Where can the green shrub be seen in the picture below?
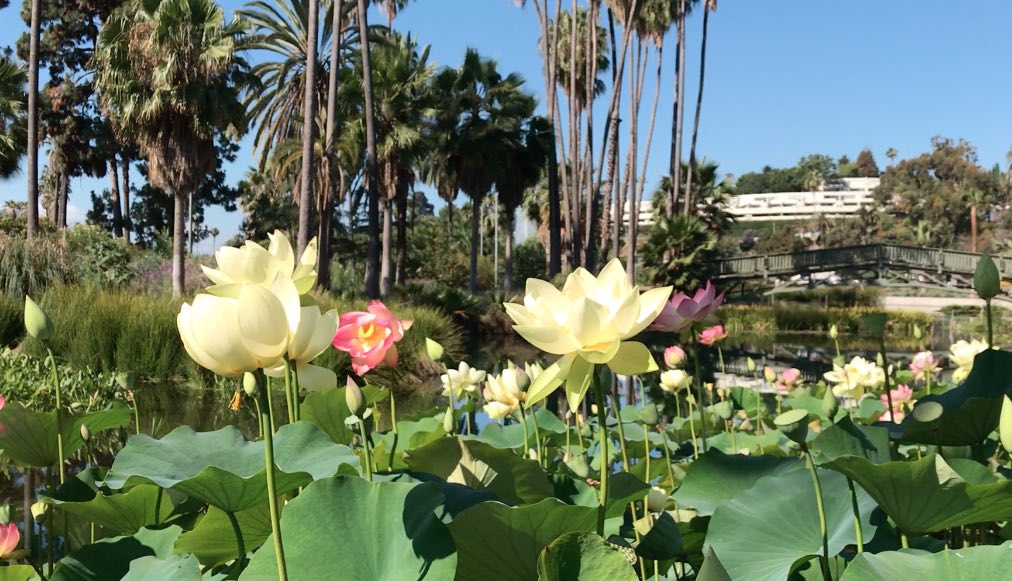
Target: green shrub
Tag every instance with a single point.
(30, 268)
(764, 319)
(12, 320)
(528, 262)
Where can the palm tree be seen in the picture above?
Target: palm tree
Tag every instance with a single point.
(12, 117)
(329, 195)
(33, 123)
(169, 78)
(308, 128)
(710, 6)
(372, 271)
(891, 154)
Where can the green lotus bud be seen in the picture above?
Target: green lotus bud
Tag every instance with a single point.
(917, 332)
(1005, 424)
(874, 325)
(830, 405)
(249, 384)
(85, 433)
(794, 425)
(433, 349)
(879, 359)
(126, 379)
(750, 365)
(39, 510)
(769, 374)
(986, 280)
(833, 333)
(724, 410)
(448, 421)
(37, 322)
(647, 415)
(353, 397)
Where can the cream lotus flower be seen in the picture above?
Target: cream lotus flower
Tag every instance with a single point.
(675, 379)
(853, 378)
(962, 354)
(463, 380)
(312, 337)
(253, 264)
(232, 335)
(587, 323)
(504, 392)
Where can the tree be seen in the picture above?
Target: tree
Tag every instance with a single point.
(372, 271)
(866, 166)
(33, 122)
(891, 154)
(12, 117)
(308, 130)
(710, 6)
(169, 77)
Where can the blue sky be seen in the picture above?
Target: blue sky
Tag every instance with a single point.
(785, 78)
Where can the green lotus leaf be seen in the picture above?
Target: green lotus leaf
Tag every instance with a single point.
(386, 530)
(717, 477)
(970, 411)
(659, 537)
(928, 495)
(624, 488)
(847, 438)
(773, 441)
(762, 533)
(224, 469)
(327, 410)
(121, 513)
(502, 542)
(971, 564)
(212, 540)
(712, 569)
(110, 558)
(390, 446)
(584, 556)
(516, 480)
(18, 573)
(175, 567)
(29, 437)
(512, 435)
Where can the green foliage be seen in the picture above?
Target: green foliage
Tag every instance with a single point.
(763, 319)
(678, 252)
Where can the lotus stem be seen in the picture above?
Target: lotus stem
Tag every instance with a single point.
(241, 553)
(602, 433)
(621, 434)
(990, 325)
(857, 516)
(365, 447)
(272, 497)
(289, 400)
(667, 456)
(523, 424)
(823, 527)
(701, 404)
(537, 440)
(885, 375)
(720, 358)
(692, 429)
(393, 411)
(734, 437)
(59, 413)
(905, 542)
(295, 393)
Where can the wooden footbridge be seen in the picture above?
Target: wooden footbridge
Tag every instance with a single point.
(879, 263)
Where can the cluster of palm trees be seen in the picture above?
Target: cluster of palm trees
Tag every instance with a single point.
(349, 115)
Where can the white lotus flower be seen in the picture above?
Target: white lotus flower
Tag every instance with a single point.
(463, 380)
(853, 378)
(312, 337)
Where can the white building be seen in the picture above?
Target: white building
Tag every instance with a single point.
(838, 199)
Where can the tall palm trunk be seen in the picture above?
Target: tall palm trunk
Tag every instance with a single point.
(372, 271)
(402, 237)
(699, 106)
(653, 111)
(472, 285)
(308, 130)
(572, 107)
(386, 265)
(633, 202)
(32, 226)
(332, 194)
(680, 113)
(675, 165)
(117, 212)
(125, 195)
(507, 279)
(590, 201)
(178, 243)
(548, 61)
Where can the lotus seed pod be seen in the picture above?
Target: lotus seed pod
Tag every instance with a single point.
(249, 384)
(657, 499)
(37, 322)
(794, 425)
(986, 280)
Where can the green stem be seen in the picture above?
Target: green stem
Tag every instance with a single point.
(365, 447)
(823, 528)
(990, 328)
(927, 376)
(646, 450)
(602, 432)
(288, 392)
(269, 408)
(621, 434)
(241, 553)
(537, 440)
(158, 505)
(904, 542)
(885, 374)
(523, 424)
(295, 393)
(59, 413)
(857, 516)
(272, 496)
(720, 358)
(701, 404)
(734, 438)
(393, 411)
(137, 416)
(692, 429)
(667, 456)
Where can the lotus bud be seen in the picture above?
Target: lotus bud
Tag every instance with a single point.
(593, 409)
(433, 350)
(39, 510)
(249, 384)
(833, 333)
(1005, 424)
(657, 499)
(794, 425)
(724, 410)
(750, 365)
(769, 374)
(353, 397)
(523, 380)
(85, 433)
(126, 379)
(532, 454)
(647, 415)
(567, 456)
(879, 359)
(448, 422)
(37, 322)
(830, 404)
(986, 280)
(917, 332)
(675, 379)
(674, 356)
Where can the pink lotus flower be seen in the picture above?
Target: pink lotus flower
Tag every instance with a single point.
(682, 311)
(900, 395)
(711, 335)
(788, 379)
(674, 356)
(892, 417)
(370, 337)
(10, 536)
(924, 363)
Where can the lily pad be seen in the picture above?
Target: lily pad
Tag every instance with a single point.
(327, 410)
(121, 513)
(928, 495)
(225, 470)
(512, 435)
(712, 569)
(30, 437)
(847, 438)
(175, 567)
(584, 556)
(516, 480)
(762, 533)
(212, 540)
(111, 558)
(18, 573)
(493, 537)
(414, 433)
(387, 531)
(971, 564)
(717, 477)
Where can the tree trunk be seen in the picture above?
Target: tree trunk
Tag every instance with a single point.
(178, 244)
(680, 112)
(573, 108)
(372, 283)
(327, 211)
(548, 60)
(507, 279)
(402, 238)
(472, 285)
(32, 226)
(125, 196)
(675, 164)
(386, 268)
(699, 105)
(308, 130)
(973, 228)
(117, 212)
(653, 113)
(590, 202)
(633, 203)
(62, 194)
